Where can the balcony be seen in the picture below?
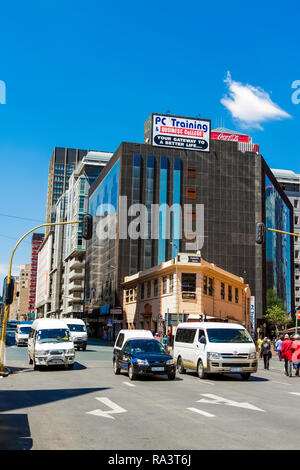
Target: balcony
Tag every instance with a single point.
(76, 286)
(76, 263)
(76, 274)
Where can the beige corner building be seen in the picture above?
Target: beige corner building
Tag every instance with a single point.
(187, 286)
(24, 288)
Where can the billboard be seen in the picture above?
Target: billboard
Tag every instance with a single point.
(180, 132)
(230, 137)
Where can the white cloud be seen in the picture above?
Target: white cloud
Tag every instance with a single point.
(249, 105)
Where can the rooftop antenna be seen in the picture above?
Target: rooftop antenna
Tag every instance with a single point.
(168, 112)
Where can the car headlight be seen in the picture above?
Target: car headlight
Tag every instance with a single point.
(213, 355)
(170, 362)
(41, 353)
(69, 352)
(142, 362)
(252, 355)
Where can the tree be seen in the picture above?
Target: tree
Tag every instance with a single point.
(277, 316)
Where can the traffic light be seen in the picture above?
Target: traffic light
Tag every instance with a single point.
(87, 226)
(260, 233)
(8, 291)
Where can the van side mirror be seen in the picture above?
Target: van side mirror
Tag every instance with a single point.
(202, 340)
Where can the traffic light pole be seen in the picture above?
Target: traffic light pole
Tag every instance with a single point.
(8, 282)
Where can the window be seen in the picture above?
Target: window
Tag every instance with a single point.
(164, 285)
(205, 285)
(191, 193)
(171, 283)
(155, 287)
(188, 282)
(191, 172)
(236, 295)
(222, 290)
(149, 289)
(230, 293)
(142, 291)
(210, 286)
(185, 335)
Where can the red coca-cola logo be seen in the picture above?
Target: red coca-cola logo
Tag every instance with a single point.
(230, 137)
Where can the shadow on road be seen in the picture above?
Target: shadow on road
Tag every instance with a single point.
(19, 399)
(15, 432)
(230, 378)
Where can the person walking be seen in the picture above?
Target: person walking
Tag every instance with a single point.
(278, 347)
(296, 353)
(286, 354)
(259, 343)
(266, 352)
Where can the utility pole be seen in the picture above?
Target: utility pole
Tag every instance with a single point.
(177, 283)
(87, 226)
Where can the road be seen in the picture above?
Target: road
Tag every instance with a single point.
(91, 408)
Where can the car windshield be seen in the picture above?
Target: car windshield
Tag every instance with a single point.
(77, 328)
(151, 346)
(24, 330)
(228, 335)
(56, 335)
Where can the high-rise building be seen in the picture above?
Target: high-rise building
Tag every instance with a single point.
(236, 189)
(63, 162)
(24, 286)
(290, 183)
(36, 241)
(62, 260)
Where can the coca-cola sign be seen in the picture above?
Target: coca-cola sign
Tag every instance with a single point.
(230, 137)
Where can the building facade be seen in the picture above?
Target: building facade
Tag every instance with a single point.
(229, 184)
(44, 284)
(24, 288)
(290, 183)
(36, 241)
(189, 285)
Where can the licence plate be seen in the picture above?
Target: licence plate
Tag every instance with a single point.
(157, 369)
(56, 361)
(236, 369)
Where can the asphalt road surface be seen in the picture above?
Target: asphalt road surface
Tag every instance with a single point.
(91, 408)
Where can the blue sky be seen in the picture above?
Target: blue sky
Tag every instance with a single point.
(88, 74)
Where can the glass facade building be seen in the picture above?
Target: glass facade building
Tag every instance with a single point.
(228, 182)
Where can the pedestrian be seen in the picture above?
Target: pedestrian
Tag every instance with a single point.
(286, 354)
(266, 352)
(169, 337)
(278, 347)
(259, 343)
(296, 353)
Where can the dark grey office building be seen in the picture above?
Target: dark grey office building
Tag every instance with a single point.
(237, 189)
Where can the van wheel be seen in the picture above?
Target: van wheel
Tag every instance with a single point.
(35, 366)
(246, 375)
(29, 360)
(70, 366)
(180, 367)
(200, 370)
(116, 368)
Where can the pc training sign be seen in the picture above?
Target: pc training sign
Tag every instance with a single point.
(180, 133)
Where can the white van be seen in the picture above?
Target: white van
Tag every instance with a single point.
(78, 332)
(22, 333)
(50, 343)
(124, 335)
(214, 348)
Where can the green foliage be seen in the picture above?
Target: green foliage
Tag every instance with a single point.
(273, 299)
(277, 316)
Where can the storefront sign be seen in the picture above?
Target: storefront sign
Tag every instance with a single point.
(230, 137)
(180, 132)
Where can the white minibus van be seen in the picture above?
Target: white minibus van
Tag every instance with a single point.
(78, 332)
(50, 343)
(214, 348)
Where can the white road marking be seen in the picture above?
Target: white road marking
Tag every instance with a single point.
(200, 412)
(294, 393)
(107, 414)
(129, 385)
(282, 383)
(216, 400)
